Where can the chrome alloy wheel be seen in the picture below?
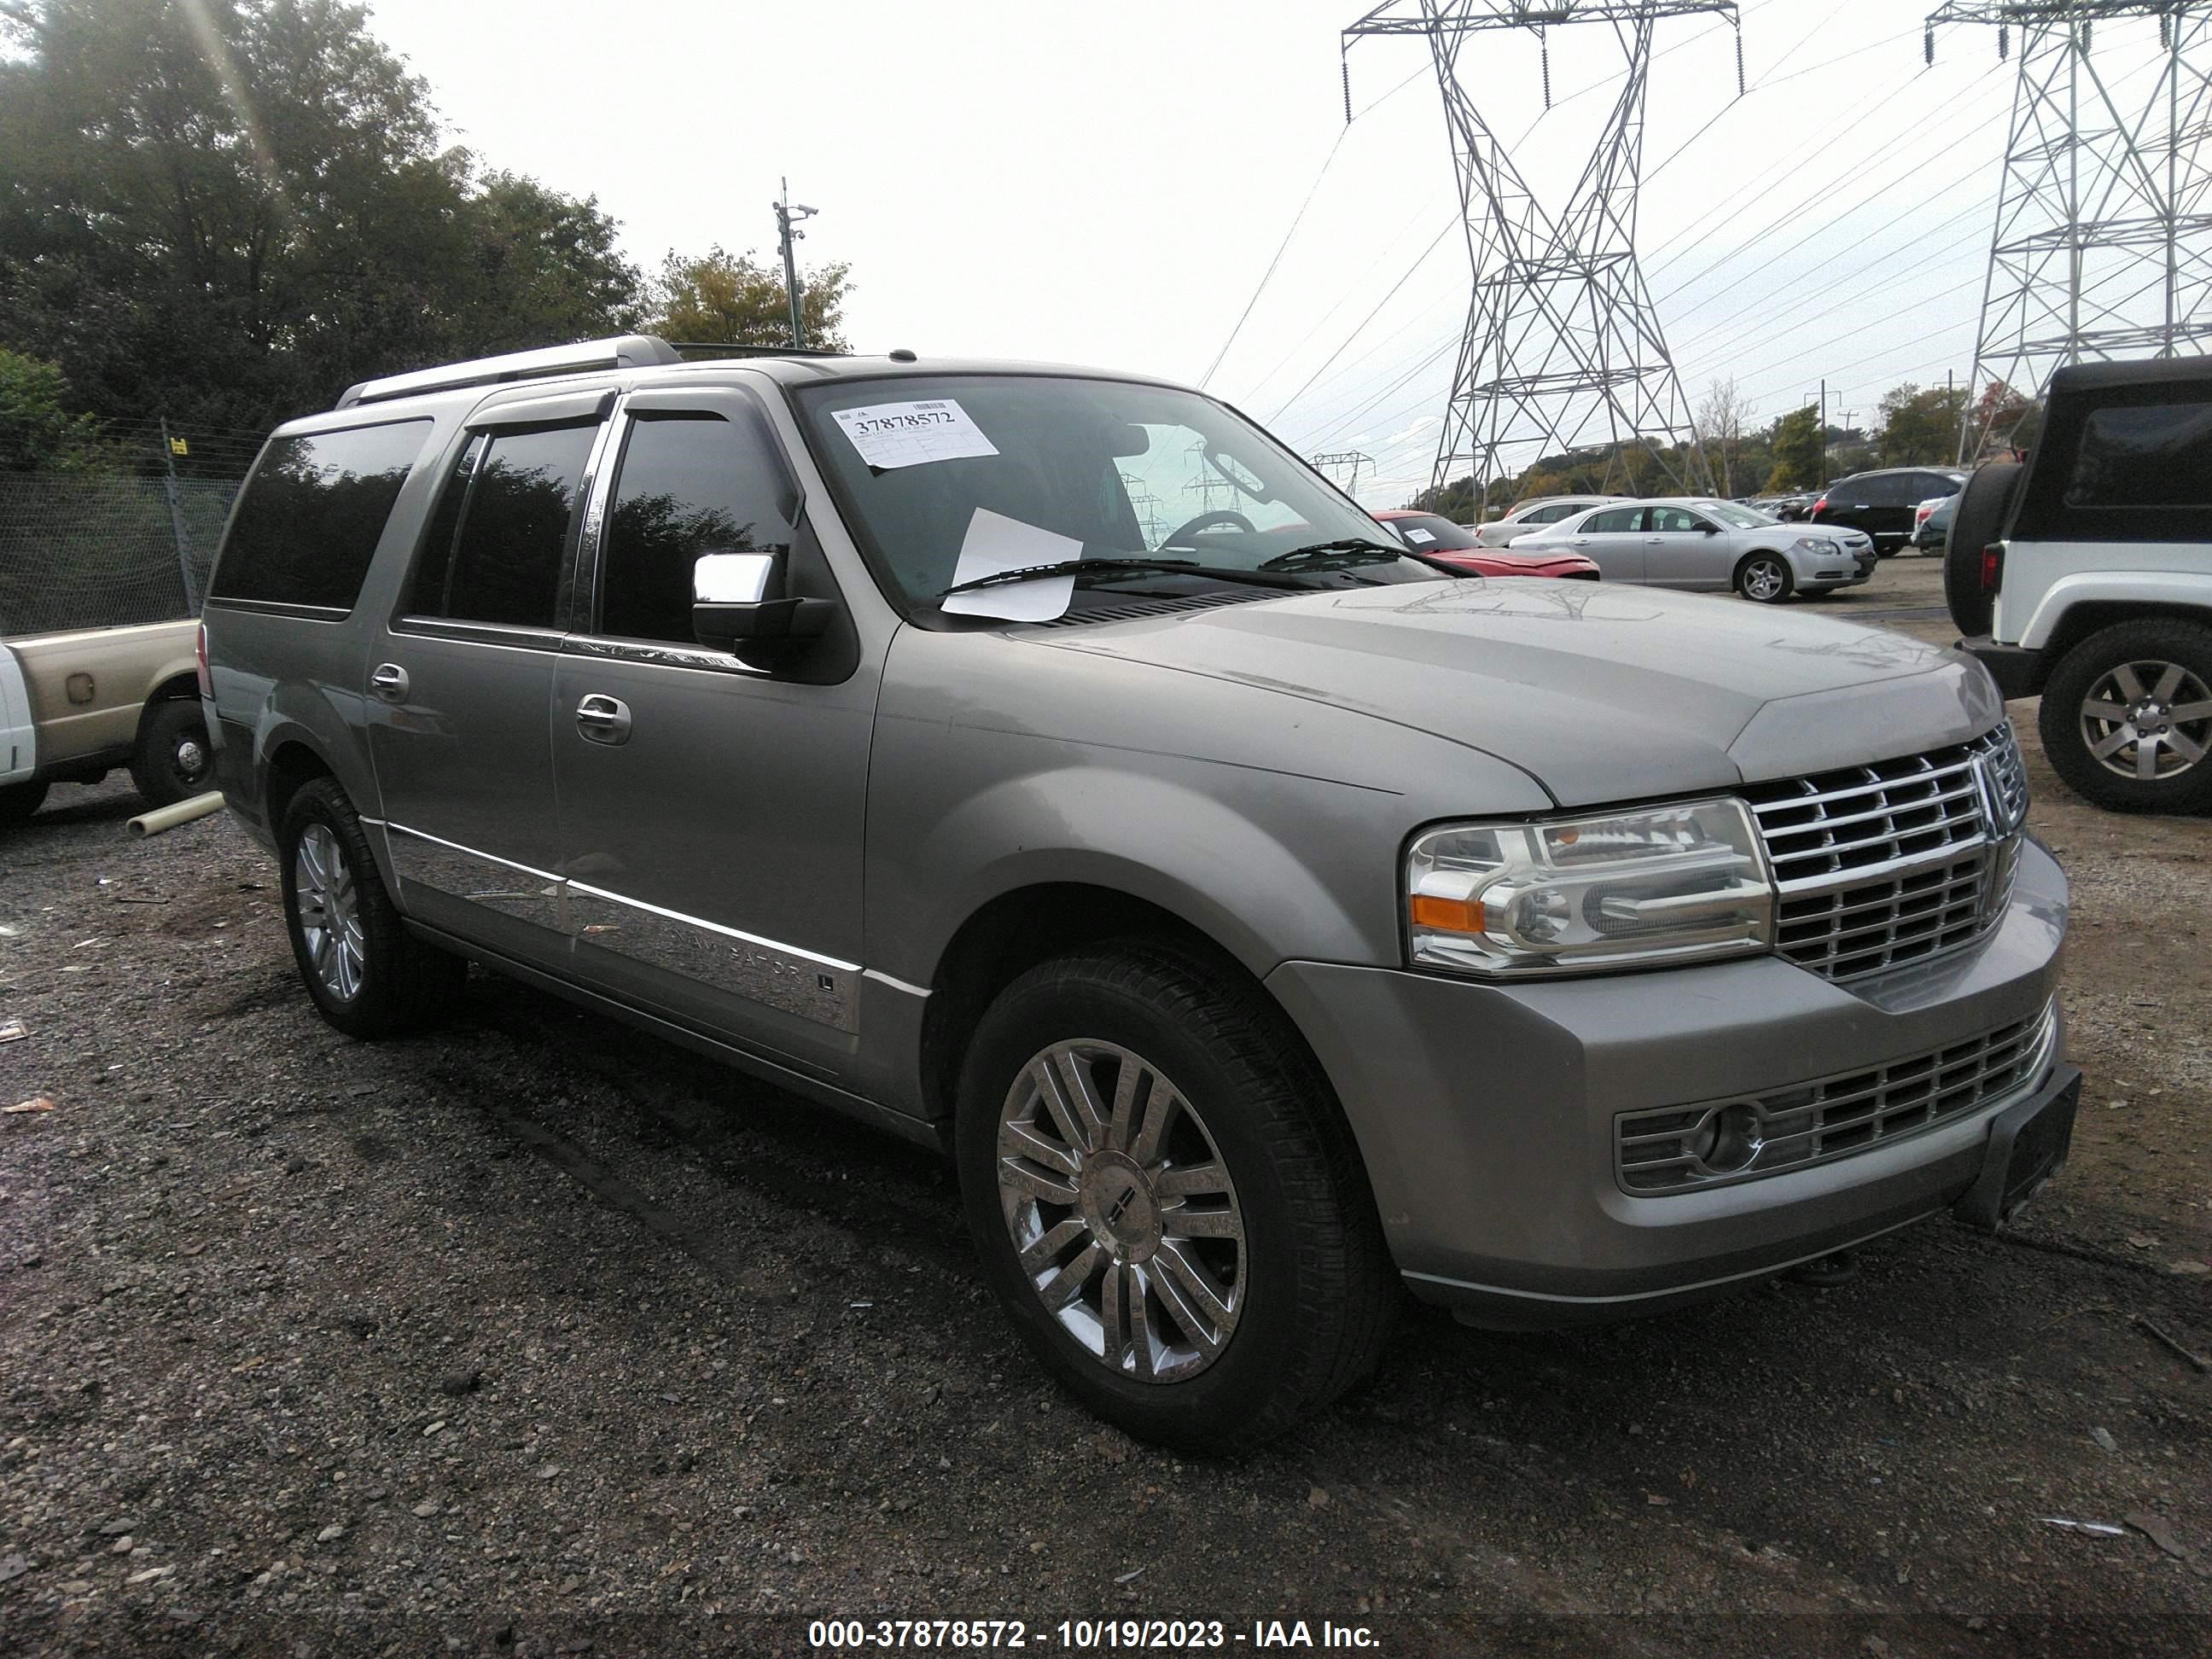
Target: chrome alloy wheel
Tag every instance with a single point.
(1120, 1210)
(2147, 721)
(189, 761)
(1763, 580)
(329, 908)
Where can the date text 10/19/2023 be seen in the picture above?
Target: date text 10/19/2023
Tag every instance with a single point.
(1086, 1635)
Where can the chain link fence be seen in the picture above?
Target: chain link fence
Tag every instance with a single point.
(87, 551)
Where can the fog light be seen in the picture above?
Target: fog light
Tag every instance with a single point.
(1729, 1139)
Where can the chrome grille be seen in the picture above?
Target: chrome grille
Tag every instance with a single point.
(1667, 1150)
(1896, 860)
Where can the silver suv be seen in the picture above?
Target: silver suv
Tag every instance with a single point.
(1050, 766)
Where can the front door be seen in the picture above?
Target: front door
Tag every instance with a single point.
(1613, 538)
(1682, 548)
(460, 686)
(711, 811)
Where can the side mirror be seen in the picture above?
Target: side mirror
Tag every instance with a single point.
(738, 605)
(1713, 530)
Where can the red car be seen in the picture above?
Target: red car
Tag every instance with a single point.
(1435, 537)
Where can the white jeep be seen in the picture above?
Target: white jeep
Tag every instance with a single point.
(2084, 576)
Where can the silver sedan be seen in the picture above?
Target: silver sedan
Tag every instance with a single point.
(1695, 542)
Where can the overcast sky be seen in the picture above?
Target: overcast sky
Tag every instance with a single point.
(1108, 184)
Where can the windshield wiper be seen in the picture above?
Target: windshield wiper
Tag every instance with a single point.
(1333, 555)
(1081, 568)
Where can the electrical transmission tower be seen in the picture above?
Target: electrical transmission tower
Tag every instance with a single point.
(2103, 244)
(1350, 459)
(1563, 349)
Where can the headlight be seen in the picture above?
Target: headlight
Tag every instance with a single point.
(1682, 883)
(1815, 544)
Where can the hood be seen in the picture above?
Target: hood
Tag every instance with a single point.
(1602, 692)
(1511, 561)
(1834, 532)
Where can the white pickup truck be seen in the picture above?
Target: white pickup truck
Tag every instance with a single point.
(2084, 576)
(75, 704)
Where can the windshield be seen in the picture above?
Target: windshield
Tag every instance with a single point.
(925, 467)
(1733, 512)
(1429, 532)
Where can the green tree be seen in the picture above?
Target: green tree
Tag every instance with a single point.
(1796, 441)
(733, 298)
(227, 209)
(37, 435)
(1920, 429)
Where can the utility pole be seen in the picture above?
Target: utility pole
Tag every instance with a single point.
(2103, 229)
(1824, 435)
(171, 448)
(788, 214)
(1563, 350)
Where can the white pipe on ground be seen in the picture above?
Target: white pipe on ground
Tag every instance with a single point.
(168, 817)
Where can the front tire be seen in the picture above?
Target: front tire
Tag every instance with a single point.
(173, 760)
(366, 973)
(2127, 717)
(1167, 1201)
(1765, 578)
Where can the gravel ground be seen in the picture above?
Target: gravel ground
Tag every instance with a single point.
(537, 1334)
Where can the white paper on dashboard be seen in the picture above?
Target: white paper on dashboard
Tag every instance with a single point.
(996, 543)
(1412, 535)
(892, 436)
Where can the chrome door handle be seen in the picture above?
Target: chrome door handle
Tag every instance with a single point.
(603, 719)
(389, 681)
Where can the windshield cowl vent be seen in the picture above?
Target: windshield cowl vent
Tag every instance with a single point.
(1135, 609)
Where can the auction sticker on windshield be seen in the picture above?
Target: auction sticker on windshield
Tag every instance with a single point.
(892, 436)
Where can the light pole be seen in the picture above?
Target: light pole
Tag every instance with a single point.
(788, 216)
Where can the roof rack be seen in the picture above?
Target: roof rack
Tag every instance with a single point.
(621, 351)
(733, 348)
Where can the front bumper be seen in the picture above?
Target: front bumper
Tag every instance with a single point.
(1485, 1114)
(1826, 571)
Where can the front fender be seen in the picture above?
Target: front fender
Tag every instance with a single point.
(1199, 840)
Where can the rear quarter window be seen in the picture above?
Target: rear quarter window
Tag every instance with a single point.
(309, 519)
(2152, 455)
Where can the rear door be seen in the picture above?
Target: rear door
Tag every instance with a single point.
(1611, 538)
(711, 811)
(460, 685)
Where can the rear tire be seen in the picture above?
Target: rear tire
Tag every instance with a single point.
(173, 760)
(1765, 578)
(366, 974)
(2141, 692)
(1259, 1187)
(1986, 504)
(20, 802)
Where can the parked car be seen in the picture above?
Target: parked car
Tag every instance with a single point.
(2085, 577)
(1535, 514)
(1439, 540)
(1259, 929)
(1880, 502)
(75, 705)
(1695, 542)
(1931, 522)
(1787, 508)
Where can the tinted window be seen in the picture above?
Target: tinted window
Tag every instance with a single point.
(689, 485)
(313, 512)
(508, 505)
(2157, 455)
(1612, 519)
(1927, 485)
(1874, 489)
(1676, 518)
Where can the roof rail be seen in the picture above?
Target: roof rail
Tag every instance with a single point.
(733, 349)
(621, 351)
